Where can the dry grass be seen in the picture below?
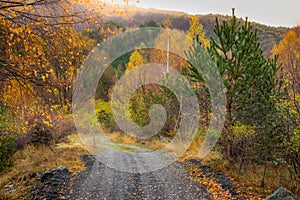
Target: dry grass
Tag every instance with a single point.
(38, 159)
(67, 153)
(249, 181)
(122, 138)
(152, 144)
(193, 153)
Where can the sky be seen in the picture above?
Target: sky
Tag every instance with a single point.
(270, 12)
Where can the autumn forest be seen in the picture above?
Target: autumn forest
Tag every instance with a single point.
(44, 44)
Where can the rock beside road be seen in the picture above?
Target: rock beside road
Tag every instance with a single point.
(53, 185)
(282, 194)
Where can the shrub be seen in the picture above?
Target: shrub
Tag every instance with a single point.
(38, 130)
(62, 127)
(40, 133)
(6, 139)
(104, 114)
(45, 129)
(6, 150)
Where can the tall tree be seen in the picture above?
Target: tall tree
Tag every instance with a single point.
(196, 31)
(289, 108)
(65, 53)
(135, 60)
(249, 78)
(168, 39)
(289, 54)
(28, 33)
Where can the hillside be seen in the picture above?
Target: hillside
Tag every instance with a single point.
(133, 16)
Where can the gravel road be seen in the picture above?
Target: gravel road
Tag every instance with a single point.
(110, 176)
(100, 181)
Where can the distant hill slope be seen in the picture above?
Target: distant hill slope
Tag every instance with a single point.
(133, 16)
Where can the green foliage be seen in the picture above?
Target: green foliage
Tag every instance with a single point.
(262, 124)
(6, 139)
(146, 96)
(250, 81)
(121, 62)
(288, 122)
(150, 23)
(104, 114)
(115, 25)
(106, 81)
(6, 151)
(248, 76)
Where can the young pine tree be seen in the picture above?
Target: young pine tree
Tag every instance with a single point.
(249, 78)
